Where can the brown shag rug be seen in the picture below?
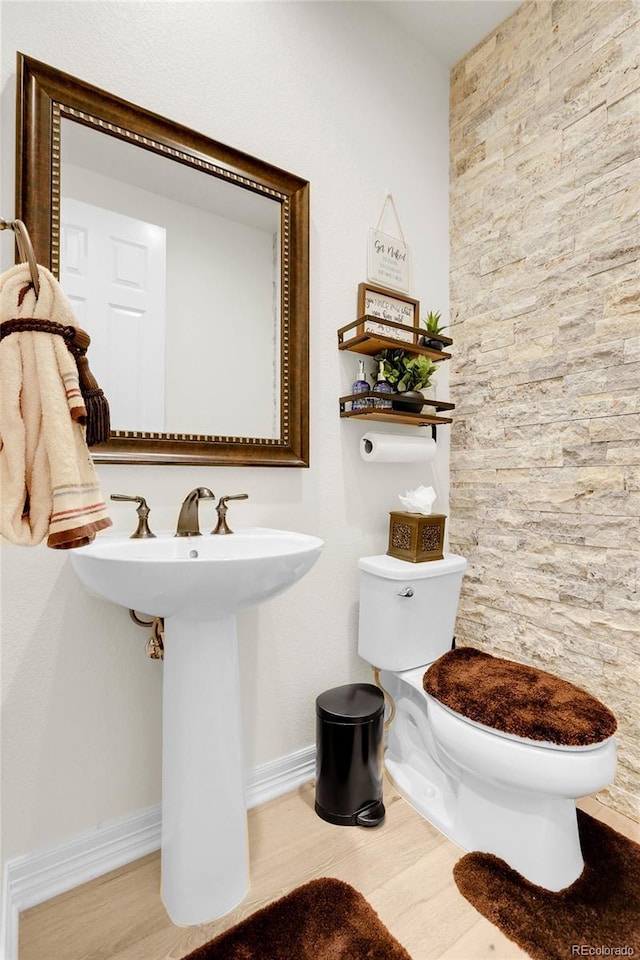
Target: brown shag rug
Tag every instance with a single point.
(325, 919)
(517, 699)
(598, 915)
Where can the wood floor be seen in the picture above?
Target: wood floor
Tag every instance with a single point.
(403, 869)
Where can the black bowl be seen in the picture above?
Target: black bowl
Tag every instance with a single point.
(432, 343)
(411, 401)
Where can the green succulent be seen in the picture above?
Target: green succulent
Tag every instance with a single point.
(405, 371)
(432, 323)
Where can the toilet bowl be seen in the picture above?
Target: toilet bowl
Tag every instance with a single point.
(484, 788)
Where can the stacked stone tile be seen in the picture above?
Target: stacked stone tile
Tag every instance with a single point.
(545, 293)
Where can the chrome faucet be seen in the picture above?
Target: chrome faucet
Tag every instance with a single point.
(188, 525)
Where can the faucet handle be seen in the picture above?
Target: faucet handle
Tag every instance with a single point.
(142, 531)
(222, 526)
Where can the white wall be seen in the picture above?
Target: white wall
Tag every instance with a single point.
(331, 93)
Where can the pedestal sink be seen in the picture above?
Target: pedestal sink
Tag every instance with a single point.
(198, 584)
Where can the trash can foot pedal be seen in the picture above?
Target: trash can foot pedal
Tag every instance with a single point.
(372, 815)
(369, 816)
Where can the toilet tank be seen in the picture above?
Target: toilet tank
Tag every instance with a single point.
(407, 610)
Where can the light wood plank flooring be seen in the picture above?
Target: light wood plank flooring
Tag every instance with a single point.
(403, 869)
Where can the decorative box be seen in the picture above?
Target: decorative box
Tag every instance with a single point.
(416, 537)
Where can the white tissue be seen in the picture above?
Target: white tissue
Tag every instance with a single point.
(419, 500)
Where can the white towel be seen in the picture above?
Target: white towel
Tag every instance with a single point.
(48, 483)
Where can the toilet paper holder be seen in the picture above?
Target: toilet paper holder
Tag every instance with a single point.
(397, 448)
(368, 445)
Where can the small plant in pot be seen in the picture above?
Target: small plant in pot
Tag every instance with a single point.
(434, 327)
(408, 374)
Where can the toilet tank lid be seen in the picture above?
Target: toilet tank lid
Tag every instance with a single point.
(390, 568)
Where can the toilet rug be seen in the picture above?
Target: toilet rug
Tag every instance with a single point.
(517, 699)
(597, 916)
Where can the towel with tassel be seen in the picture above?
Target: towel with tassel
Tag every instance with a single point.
(48, 483)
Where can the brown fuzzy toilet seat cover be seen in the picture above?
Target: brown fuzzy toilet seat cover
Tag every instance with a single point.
(518, 699)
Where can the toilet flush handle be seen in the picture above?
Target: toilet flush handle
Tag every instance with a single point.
(406, 592)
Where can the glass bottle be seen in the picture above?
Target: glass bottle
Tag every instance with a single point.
(382, 385)
(361, 386)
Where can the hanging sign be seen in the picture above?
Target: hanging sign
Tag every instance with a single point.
(388, 259)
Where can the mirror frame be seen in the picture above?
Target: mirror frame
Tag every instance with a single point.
(46, 96)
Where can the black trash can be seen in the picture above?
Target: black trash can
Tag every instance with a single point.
(349, 744)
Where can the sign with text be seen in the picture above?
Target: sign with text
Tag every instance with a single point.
(388, 261)
(388, 305)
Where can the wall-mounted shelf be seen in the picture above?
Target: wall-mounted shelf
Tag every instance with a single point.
(395, 416)
(356, 338)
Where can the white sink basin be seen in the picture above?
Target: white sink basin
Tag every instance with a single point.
(203, 578)
(197, 584)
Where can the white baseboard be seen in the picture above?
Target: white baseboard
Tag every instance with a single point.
(45, 873)
(272, 779)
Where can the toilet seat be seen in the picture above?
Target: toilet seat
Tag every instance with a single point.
(540, 744)
(511, 698)
(415, 678)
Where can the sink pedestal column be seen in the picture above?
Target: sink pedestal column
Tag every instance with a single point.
(205, 857)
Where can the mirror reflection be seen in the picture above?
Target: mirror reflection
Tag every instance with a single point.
(176, 276)
(187, 261)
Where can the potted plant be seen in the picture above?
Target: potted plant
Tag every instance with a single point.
(434, 327)
(408, 374)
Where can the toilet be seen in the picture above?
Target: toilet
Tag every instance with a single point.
(465, 770)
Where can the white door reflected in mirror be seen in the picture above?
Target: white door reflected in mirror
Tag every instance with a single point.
(113, 270)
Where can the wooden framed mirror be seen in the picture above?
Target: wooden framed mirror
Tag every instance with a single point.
(200, 330)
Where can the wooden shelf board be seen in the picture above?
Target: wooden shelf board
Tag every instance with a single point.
(395, 416)
(370, 344)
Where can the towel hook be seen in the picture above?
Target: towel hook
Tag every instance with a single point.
(25, 248)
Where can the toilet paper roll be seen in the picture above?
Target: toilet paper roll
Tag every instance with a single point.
(393, 448)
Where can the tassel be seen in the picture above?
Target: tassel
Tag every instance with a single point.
(77, 341)
(97, 405)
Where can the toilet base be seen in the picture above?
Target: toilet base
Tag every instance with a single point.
(540, 843)
(536, 834)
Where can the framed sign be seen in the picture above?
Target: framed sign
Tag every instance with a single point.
(387, 304)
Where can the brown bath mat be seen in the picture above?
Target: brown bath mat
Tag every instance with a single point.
(325, 919)
(518, 699)
(598, 915)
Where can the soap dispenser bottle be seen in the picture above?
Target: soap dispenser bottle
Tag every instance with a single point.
(361, 386)
(382, 385)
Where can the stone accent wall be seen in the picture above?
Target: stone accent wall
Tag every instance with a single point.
(545, 260)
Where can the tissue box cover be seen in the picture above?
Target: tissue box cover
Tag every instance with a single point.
(416, 537)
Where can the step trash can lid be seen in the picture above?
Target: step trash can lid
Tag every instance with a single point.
(351, 703)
